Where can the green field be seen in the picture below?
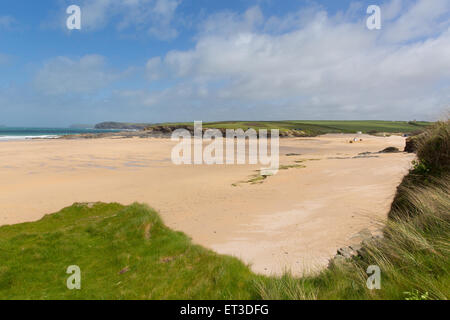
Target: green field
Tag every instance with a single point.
(321, 127)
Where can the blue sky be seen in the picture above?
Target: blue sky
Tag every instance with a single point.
(185, 60)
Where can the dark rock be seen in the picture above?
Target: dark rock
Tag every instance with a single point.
(345, 252)
(364, 239)
(411, 145)
(390, 150)
(356, 247)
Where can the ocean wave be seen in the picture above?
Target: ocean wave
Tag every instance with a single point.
(8, 138)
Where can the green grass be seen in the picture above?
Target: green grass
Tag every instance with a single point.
(368, 126)
(321, 127)
(103, 241)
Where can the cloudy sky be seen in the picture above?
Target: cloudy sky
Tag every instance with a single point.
(185, 60)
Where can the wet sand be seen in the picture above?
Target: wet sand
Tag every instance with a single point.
(295, 220)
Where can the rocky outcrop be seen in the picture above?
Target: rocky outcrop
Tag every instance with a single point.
(361, 240)
(411, 145)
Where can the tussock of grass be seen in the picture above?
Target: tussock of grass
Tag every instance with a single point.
(286, 288)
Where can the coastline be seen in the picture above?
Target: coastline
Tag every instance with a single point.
(12, 138)
(31, 133)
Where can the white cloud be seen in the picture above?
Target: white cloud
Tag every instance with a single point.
(63, 75)
(392, 9)
(154, 68)
(320, 67)
(421, 19)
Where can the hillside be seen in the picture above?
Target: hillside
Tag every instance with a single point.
(311, 128)
(121, 126)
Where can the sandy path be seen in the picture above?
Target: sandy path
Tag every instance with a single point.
(295, 220)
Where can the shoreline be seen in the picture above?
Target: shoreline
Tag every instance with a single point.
(16, 138)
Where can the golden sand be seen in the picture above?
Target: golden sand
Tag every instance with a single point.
(295, 220)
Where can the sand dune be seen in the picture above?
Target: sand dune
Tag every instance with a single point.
(295, 220)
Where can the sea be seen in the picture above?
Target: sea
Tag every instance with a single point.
(25, 133)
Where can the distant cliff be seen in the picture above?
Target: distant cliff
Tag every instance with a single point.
(122, 125)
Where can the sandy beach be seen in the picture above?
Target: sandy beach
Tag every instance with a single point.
(295, 220)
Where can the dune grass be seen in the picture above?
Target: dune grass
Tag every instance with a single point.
(434, 148)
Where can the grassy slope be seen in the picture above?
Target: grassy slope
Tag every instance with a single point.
(321, 127)
(105, 240)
